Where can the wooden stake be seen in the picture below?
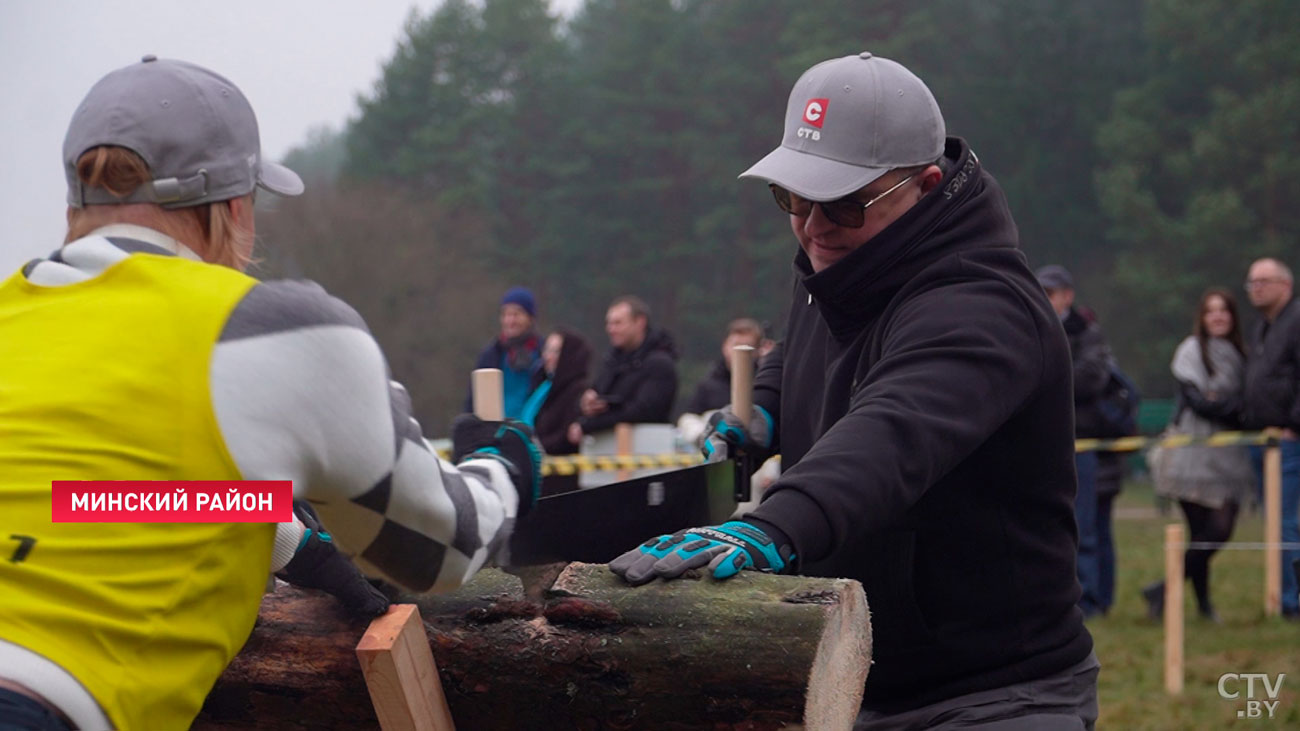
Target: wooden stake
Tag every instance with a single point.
(400, 674)
(488, 393)
(1273, 527)
(623, 447)
(1174, 548)
(742, 382)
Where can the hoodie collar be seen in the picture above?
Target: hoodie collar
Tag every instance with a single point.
(954, 216)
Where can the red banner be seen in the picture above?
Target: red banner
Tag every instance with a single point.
(157, 501)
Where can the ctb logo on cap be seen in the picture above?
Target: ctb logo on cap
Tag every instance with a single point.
(814, 112)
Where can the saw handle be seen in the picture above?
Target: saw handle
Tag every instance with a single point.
(488, 394)
(742, 382)
(742, 405)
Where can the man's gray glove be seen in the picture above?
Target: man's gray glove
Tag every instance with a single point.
(725, 434)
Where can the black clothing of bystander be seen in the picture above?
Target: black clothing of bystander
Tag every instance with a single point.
(639, 385)
(713, 392)
(1273, 372)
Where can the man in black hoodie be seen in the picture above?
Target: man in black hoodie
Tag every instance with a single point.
(638, 380)
(1091, 360)
(921, 403)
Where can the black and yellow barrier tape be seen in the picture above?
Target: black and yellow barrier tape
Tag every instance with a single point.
(573, 464)
(570, 465)
(1133, 444)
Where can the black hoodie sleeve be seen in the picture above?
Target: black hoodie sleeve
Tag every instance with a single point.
(956, 362)
(767, 390)
(1225, 411)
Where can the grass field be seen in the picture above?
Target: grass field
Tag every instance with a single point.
(1130, 646)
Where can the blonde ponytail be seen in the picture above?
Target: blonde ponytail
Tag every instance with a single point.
(209, 229)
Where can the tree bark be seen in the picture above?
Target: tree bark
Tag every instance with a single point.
(753, 652)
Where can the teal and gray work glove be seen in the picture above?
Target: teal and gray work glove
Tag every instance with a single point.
(725, 434)
(725, 549)
(509, 442)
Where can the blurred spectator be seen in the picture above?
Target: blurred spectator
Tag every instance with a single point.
(515, 350)
(557, 387)
(1273, 397)
(1109, 481)
(638, 380)
(1091, 357)
(1209, 483)
(714, 391)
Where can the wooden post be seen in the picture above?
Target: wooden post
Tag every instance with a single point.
(623, 447)
(488, 393)
(1273, 526)
(742, 382)
(1174, 548)
(400, 674)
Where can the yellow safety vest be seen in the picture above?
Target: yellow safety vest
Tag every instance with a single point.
(108, 379)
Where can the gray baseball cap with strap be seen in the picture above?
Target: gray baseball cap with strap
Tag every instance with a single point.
(849, 121)
(192, 127)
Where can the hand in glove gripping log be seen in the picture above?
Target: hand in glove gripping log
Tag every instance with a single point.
(726, 549)
(317, 564)
(725, 433)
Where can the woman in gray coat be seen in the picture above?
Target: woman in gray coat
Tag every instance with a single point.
(1209, 483)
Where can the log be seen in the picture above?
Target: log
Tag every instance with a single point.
(755, 652)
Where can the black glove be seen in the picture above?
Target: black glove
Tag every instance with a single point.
(317, 564)
(509, 442)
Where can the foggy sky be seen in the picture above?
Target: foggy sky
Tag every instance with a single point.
(301, 63)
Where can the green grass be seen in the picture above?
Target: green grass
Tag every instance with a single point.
(1131, 647)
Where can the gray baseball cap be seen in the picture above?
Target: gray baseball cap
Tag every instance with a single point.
(849, 121)
(1054, 276)
(193, 128)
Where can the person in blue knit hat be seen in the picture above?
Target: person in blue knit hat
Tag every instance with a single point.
(516, 350)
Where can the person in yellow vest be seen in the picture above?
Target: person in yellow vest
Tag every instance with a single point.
(141, 351)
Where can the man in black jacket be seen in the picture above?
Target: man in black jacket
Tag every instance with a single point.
(1273, 397)
(638, 380)
(921, 404)
(1091, 358)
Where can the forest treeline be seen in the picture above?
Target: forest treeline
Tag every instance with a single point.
(1151, 146)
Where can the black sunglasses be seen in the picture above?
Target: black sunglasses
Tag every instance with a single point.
(848, 211)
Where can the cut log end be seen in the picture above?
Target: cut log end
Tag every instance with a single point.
(841, 664)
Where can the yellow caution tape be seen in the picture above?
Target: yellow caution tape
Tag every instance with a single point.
(570, 465)
(1132, 444)
(581, 463)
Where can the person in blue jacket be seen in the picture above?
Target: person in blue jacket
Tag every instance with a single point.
(516, 350)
